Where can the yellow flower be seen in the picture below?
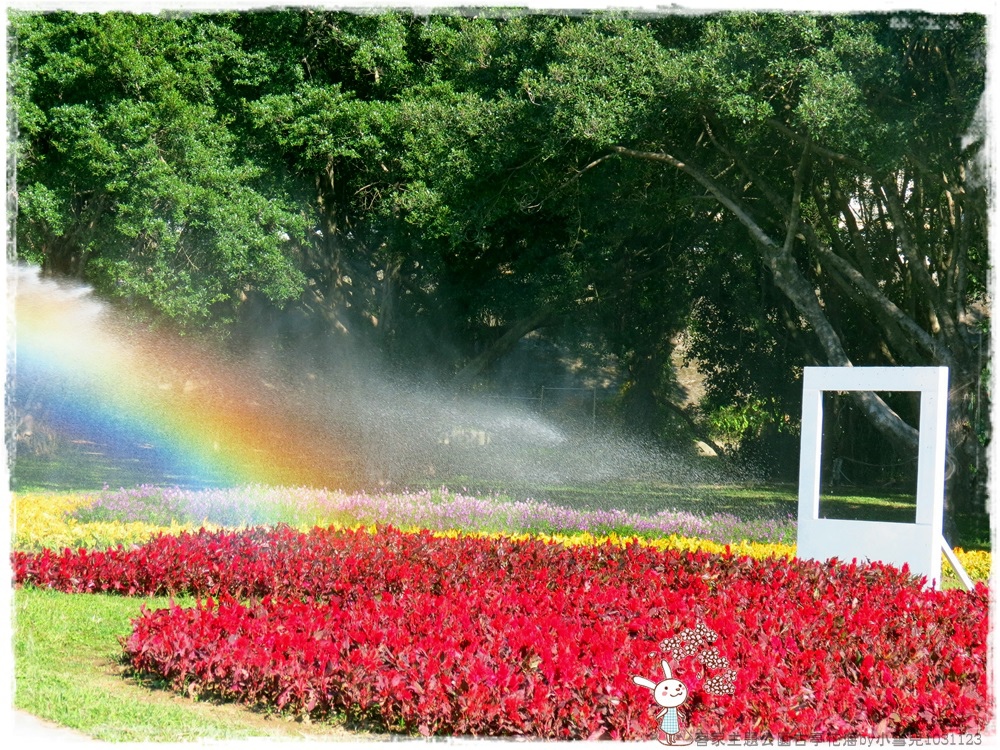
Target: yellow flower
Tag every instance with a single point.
(42, 520)
(977, 564)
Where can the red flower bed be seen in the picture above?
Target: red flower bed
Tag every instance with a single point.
(492, 636)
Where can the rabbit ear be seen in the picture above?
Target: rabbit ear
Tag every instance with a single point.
(666, 669)
(644, 682)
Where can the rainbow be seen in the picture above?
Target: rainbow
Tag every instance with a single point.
(138, 391)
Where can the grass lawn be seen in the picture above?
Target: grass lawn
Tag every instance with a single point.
(67, 670)
(80, 467)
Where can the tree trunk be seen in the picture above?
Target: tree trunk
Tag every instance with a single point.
(518, 330)
(789, 279)
(329, 291)
(966, 494)
(697, 431)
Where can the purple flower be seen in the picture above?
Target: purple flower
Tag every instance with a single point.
(437, 510)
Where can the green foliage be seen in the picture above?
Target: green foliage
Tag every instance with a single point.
(425, 185)
(132, 174)
(735, 423)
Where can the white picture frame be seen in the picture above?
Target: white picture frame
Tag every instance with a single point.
(919, 544)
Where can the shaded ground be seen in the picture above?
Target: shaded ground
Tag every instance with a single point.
(85, 465)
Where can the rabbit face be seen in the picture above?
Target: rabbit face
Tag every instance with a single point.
(670, 693)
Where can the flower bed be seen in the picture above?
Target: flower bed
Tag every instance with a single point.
(47, 521)
(439, 510)
(499, 636)
(42, 520)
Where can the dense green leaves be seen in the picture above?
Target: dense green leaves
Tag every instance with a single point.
(789, 189)
(131, 173)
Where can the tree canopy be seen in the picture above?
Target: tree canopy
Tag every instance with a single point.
(784, 189)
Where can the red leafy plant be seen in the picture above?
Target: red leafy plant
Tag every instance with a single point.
(501, 637)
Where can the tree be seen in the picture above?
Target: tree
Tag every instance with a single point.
(129, 174)
(534, 238)
(842, 147)
(793, 189)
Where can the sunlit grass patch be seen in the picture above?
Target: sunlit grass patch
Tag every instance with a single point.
(68, 669)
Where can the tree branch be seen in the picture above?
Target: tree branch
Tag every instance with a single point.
(896, 337)
(789, 279)
(915, 262)
(792, 222)
(877, 301)
(720, 193)
(511, 336)
(825, 152)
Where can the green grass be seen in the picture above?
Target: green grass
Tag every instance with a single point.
(68, 670)
(86, 467)
(772, 501)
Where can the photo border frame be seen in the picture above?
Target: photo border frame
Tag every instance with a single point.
(918, 545)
